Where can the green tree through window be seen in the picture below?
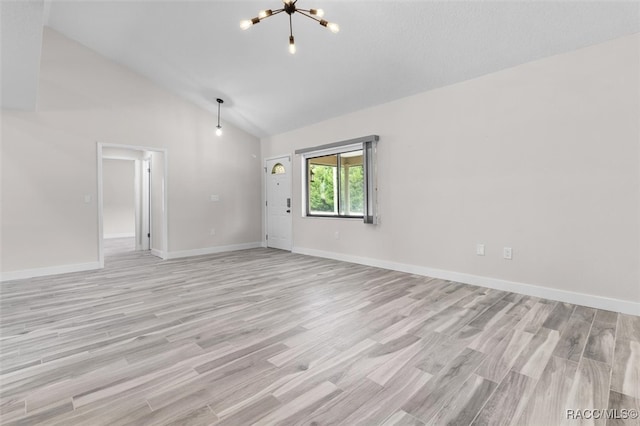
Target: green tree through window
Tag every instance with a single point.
(356, 189)
(321, 189)
(323, 184)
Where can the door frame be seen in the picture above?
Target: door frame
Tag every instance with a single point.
(165, 225)
(145, 206)
(265, 216)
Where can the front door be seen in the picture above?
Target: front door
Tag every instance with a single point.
(279, 203)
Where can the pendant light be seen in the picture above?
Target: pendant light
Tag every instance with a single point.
(290, 8)
(219, 127)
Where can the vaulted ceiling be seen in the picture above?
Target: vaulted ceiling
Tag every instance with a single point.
(385, 50)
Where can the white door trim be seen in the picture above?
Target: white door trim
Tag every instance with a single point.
(165, 216)
(145, 199)
(265, 219)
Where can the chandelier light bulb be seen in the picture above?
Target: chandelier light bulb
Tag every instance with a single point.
(292, 46)
(218, 131)
(317, 12)
(246, 24)
(332, 26)
(264, 13)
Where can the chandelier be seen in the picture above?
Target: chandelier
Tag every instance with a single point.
(290, 8)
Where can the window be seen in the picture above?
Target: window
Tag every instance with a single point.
(340, 179)
(278, 169)
(336, 184)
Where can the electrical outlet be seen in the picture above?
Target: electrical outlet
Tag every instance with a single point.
(336, 235)
(507, 253)
(480, 249)
(213, 231)
(87, 199)
(215, 197)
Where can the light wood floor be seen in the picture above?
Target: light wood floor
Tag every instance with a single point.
(269, 337)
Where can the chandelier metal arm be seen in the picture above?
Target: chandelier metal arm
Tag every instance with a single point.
(290, 27)
(302, 12)
(273, 13)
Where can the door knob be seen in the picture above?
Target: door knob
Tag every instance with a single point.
(288, 211)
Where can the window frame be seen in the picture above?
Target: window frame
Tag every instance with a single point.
(338, 186)
(368, 145)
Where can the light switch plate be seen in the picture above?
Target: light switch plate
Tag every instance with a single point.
(507, 253)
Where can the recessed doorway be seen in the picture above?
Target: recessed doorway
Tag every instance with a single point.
(132, 200)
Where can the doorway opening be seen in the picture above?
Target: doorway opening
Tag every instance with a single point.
(132, 201)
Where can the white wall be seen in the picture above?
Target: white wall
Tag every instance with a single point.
(543, 158)
(118, 198)
(49, 162)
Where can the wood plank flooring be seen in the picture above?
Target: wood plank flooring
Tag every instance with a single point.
(269, 337)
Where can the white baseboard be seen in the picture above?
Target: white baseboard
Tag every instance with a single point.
(159, 253)
(210, 250)
(599, 302)
(51, 270)
(63, 269)
(125, 235)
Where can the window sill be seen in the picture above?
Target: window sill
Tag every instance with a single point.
(312, 216)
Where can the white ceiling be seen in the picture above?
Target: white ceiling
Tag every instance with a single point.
(385, 49)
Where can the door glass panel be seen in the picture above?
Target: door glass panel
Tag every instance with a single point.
(278, 169)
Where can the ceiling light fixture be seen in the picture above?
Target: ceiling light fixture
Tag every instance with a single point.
(290, 8)
(219, 127)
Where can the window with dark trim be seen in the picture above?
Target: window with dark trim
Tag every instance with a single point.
(335, 185)
(340, 179)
